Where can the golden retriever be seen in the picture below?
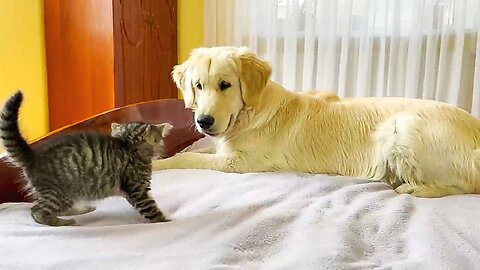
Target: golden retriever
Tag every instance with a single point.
(422, 147)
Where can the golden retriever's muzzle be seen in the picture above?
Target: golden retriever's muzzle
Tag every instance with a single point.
(205, 121)
(205, 124)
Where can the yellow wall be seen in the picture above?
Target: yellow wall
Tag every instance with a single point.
(190, 27)
(22, 62)
(22, 54)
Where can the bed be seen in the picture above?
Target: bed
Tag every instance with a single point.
(242, 221)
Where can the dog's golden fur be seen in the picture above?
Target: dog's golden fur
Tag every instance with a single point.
(422, 147)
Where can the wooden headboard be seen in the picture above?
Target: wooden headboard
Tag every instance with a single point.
(158, 111)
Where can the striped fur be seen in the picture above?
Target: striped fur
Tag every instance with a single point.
(85, 166)
(14, 143)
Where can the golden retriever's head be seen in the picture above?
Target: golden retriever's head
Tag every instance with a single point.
(217, 83)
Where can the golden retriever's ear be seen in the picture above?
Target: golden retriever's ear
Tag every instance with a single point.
(178, 75)
(254, 74)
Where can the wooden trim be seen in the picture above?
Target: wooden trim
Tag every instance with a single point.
(118, 55)
(174, 12)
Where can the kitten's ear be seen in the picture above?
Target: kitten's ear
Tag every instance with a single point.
(164, 129)
(115, 126)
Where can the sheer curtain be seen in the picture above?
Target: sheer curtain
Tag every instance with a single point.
(410, 48)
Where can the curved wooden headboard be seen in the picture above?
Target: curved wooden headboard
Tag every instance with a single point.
(158, 111)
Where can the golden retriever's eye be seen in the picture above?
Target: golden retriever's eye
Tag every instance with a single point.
(224, 85)
(199, 86)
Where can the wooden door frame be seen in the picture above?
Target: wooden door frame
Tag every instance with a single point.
(117, 59)
(79, 61)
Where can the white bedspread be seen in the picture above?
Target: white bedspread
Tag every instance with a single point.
(254, 221)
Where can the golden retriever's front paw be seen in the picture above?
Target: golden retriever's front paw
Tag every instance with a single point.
(417, 191)
(405, 189)
(429, 191)
(161, 164)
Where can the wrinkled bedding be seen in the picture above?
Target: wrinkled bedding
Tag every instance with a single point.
(254, 221)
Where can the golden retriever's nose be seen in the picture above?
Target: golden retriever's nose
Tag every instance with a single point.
(205, 121)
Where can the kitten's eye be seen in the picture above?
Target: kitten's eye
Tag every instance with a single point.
(224, 85)
(199, 86)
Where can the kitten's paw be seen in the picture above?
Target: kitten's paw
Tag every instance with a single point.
(159, 219)
(87, 210)
(42, 216)
(55, 221)
(65, 222)
(81, 211)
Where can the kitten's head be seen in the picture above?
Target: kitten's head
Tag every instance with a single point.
(143, 134)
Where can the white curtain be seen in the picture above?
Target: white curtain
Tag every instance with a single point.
(410, 48)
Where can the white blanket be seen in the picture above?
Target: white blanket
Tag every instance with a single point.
(254, 221)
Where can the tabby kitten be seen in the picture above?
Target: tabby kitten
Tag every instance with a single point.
(85, 166)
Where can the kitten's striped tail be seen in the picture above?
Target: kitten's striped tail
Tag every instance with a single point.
(15, 144)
